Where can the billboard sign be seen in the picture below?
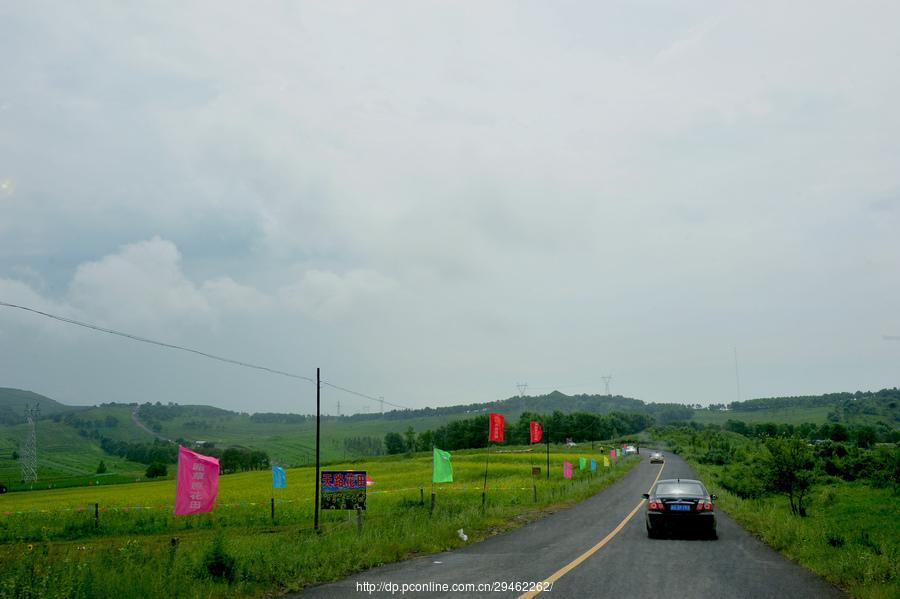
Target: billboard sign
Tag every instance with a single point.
(343, 490)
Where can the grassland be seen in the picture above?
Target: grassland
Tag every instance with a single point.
(851, 536)
(799, 415)
(64, 458)
(50, 545)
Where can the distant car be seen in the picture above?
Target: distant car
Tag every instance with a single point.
(630, 449)
(656, 458)
(680, 504)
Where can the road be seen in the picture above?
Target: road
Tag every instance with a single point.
(137, 421)
(569, 547)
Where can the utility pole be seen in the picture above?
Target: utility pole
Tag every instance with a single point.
(522, 387)
(737, 375)
(318, 418)
(339, 408)
(381, 399)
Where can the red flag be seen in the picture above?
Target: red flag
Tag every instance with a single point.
(496, 431)
(536, 431)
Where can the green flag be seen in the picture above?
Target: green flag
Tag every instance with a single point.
(443, 469)
(582, 463)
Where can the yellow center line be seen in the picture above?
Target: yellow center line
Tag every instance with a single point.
(578, 560)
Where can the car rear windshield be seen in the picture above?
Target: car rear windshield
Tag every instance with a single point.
(688, 489)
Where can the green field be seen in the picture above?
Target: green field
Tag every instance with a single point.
(64, 457)
(53, 546)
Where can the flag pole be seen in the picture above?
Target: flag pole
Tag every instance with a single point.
(487, 456)
(548, 454)
(432, 479)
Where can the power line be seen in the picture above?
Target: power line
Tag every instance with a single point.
(357, 393)
(192, 351)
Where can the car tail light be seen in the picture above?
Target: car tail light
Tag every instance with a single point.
(704, 506)
(656, 505)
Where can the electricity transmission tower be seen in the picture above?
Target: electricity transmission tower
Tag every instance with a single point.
(606, 380)
(29, 450)
(522, 387)
(381, 399)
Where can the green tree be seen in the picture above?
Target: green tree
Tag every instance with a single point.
(101, 467)
(865, 437)
(156, 469)
(425, 441)
(393, 443)
(410, 435)
(789, 470)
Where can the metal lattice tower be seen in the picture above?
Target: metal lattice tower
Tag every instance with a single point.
(28, 457)
(522, 387)
(606, 380)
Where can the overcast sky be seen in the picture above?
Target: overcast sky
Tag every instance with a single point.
(434, 201)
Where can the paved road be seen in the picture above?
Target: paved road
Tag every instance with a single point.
(629, 565)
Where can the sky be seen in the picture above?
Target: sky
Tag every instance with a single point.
(435, 201)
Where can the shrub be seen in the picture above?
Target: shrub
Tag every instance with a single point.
(156, 469)
(218, 563)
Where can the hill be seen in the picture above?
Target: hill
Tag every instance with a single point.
(72, 438)
(862, 408)
(13, 403)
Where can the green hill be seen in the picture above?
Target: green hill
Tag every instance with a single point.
(13, 403)
(862, 408)
(71, 439)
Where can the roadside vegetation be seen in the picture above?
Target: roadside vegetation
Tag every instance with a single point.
(829, 504)
(54, 544)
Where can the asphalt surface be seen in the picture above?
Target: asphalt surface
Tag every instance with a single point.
(629, 565)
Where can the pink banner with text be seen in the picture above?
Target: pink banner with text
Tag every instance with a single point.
(197, 483)
(567, 469)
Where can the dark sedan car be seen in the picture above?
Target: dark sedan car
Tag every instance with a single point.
(680, 504)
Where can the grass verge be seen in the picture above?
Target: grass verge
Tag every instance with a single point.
(851, 536)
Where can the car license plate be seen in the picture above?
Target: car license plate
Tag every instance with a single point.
(679, 507)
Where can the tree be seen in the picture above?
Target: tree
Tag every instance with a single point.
(101, 467)
(789, 470)
(839, 433)
(156, 469)
(865, 437)
(410, 435)
(393, 443)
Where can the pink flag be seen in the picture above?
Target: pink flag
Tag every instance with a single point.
(567, 469)
(612, 454)
(197, 483)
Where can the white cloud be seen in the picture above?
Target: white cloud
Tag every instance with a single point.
(536, 190)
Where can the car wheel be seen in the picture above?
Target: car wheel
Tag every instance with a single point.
(712, 534)
(651, 533)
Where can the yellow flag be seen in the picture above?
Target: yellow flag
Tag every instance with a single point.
(606, 461)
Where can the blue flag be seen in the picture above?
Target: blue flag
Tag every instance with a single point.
(278, 479)
(593, 465)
